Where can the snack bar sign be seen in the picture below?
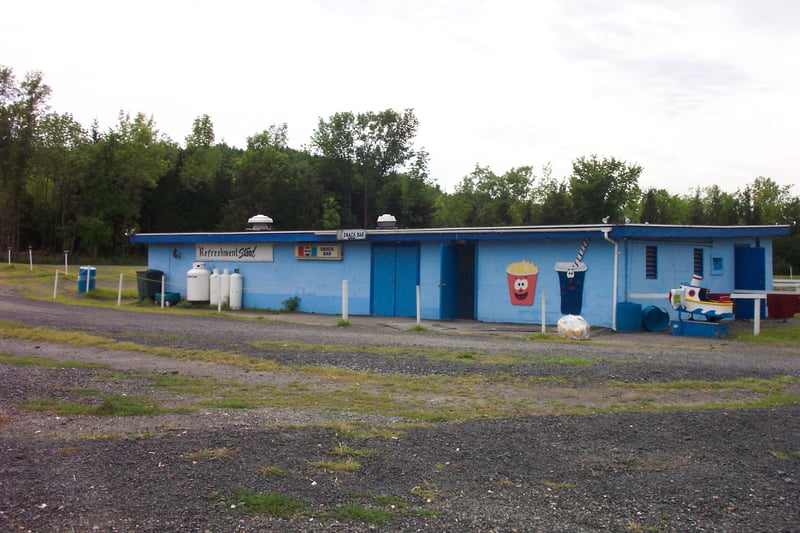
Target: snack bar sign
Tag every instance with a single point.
(318, 251)
(240, 252)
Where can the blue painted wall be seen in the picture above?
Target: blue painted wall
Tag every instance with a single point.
(676, 265)
(318, 283)
(494, 301)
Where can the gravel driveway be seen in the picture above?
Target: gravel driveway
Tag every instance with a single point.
(560, 451)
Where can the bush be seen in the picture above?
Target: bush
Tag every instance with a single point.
(290, 305)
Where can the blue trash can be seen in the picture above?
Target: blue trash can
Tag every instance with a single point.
(629, 317)
(655, 318)
(83, 272)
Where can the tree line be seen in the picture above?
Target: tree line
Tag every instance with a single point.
(64, 186)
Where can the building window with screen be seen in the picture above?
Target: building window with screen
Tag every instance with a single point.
(698, 262)
(651, 262)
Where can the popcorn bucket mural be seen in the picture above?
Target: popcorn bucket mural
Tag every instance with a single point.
(521, 277)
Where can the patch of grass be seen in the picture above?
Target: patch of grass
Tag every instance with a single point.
(427, 490)
(230, 403)
(360, 430)
(757, 385)
(19, 331)
(342, 450)
(346, 465)
(272, 470)
(32, 360)
(212, 453)
(771, 335)
(111, 405)
(546, 337)
(342, 323)
(393, 502)
(269, 503)
(100, 293)
(557, 485)
(353, 512)
(417, 328)
(571, 360)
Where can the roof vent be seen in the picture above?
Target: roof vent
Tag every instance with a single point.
(260, 223)
(387, 221)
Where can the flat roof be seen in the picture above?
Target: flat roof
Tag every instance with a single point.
(614, 231)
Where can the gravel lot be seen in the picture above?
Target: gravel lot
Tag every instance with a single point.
(670, 466)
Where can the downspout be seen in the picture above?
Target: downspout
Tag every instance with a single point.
(616, 276)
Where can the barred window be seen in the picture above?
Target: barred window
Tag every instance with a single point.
(698, 262)
(651, 262)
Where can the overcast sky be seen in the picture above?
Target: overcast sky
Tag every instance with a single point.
(697, 92)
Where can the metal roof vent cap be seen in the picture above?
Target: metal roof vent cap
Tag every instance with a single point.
(386, 221)
(260, 223)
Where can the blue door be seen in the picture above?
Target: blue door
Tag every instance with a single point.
(750, 267)
(383, 278)
(457, 285)
(448, 285)
(395, 276)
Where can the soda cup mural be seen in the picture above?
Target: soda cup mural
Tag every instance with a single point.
(521, 277)
(570, 281)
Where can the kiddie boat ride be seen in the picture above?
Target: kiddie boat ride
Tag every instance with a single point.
(693, 299)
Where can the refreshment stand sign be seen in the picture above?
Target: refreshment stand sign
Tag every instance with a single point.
(240, 252)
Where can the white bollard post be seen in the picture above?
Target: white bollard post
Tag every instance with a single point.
(119, 291)
(66, 263)
(756, 317)
(9, 255)
(88, 277)
(345, 307)
(418, 303)
(30, 256)
(544, 313)
(163, 283)
(55, 286)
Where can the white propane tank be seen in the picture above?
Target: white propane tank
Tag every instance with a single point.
(236, 290)
(225, 287)
(213, 287)
(197, 283)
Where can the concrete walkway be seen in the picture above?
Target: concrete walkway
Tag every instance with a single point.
(475, 327)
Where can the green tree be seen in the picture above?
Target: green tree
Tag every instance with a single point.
(200, 160)
(274, 180)
(21, 108)
(786, 250)
(372, 144)
(604, 188)
(763, 202)
(125, 163)
(55, 173)
(658, 206)
(552, 203)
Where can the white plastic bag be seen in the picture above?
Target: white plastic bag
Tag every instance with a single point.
(573, 327)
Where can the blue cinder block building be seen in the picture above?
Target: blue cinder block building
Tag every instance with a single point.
(498, 274)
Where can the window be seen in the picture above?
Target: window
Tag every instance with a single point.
(716, 266)
(698, 262)
(651, 262)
